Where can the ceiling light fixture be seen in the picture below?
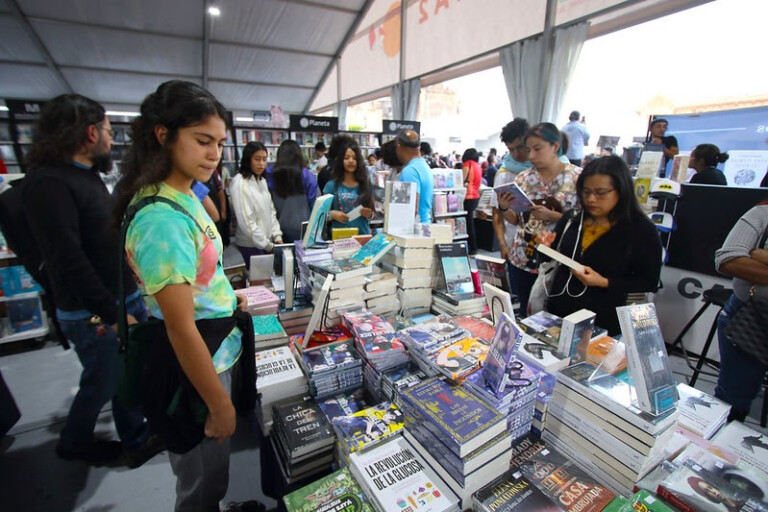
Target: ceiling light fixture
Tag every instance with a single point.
(244, 119)
(3, 108)
(121, 113)
(214, 11)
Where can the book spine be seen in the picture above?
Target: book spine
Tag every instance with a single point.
(566, 338)
(413, 413)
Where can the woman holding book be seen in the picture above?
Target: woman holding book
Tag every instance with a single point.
(292, 202)
(612, 238)
(352, 191)
(472, 176)
(551, 186)
(257, 226)
(174, 249)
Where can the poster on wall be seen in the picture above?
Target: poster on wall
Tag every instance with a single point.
(746, 168)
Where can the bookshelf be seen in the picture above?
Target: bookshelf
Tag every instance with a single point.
(368, 141)
(270, 137)
(448, 201)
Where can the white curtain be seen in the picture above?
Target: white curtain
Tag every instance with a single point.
(340, 111)
(568, 43)
(405, 99)
(521, 65)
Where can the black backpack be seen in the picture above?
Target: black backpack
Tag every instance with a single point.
(18, 232)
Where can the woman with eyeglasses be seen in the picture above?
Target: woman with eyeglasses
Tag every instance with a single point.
(614, 240)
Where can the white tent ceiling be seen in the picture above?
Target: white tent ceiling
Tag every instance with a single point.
(259, 53)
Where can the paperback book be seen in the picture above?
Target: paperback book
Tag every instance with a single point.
(701, 413)
(314, 232)
(400, 207)
(493, 271)
(520, 201)
(374, 249)
(363, 429)
(512, 491)
(454, 263)
(460, 358)
(576, 331)
(333, 493)
(502, 352)
(303, 427)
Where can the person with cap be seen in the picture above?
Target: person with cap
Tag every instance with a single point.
(578, 137)
(320, 158)
(704, 160)
(416, 170)
(657, 135)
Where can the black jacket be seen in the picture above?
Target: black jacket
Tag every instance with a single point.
(709, 176)
(70, 214)
(628, 255)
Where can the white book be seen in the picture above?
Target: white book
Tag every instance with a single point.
(288, 263)
(499, 301)
(576, 330)
(751, 446)
(317, 313)
(400, 207)
(397, 476)
(276, 366)
(701, 413)
(649, 165)
(560, 257)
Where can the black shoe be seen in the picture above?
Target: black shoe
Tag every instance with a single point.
(245, 506)
(151, 447)
(98, 451)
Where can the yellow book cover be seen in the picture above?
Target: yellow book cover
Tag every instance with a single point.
(339, 233)
(362, 429)
(460, 358)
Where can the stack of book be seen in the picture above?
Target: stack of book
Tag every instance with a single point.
(460, 436)
(396, 477)
(304, 257)
(364, 429)
(460, 358)
(296, 318)
(426, 339)
(701, 413)
(411, 261)
(302, 439)
(268, 332)
(332, 493)
(279, 378)
(332, 369)
(346, 289)
(750, 446)
(456, 296)
(344, 248)
(375, 339)
(493, 271)
(393, 382)
(260, 300)
(451, 304)
(593, 421)
(344, 404)
(380, 294)
(543, 396)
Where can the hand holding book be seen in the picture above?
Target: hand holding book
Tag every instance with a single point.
(591, 278)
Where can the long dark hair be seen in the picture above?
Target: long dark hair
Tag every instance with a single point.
(245, 162)
(470, 154)
(63, 129)
(288, 170)
(613, 166)
(361, 173)
(175, 104)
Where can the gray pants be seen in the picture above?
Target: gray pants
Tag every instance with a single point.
(202, 474)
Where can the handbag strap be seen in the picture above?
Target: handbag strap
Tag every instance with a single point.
(130, 214)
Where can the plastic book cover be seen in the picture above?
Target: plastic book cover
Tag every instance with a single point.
(512, 491)
(456, 412)
(314, 231)
(503, 350)
(454, 263)
(461, 357)
(565, 483)
(335, 492)
(337, 267)
(399, 479)
(331, 358)
(344, 404)
(751, 446)
(493, 271)
(544, 322)
(521, 379)
(647, 359)
(423, 336)
(699, 412)
(374, 249)
(361, 429)
(606, 350)
(304, 425)
(524, 448)
(477, 327)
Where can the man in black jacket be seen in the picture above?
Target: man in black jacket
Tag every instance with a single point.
(69, 210)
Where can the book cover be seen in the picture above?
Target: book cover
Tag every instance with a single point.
(544, 322)
(314, 232)
(647, 359)
(466, 421)
(565, 483)
(360, 430)
(327, 358)
(303, 425)
(318, 312)
(520, 201)
(439, 179)
(605, 351)
(642, 189)
(288, 275)
(524, 448)
(267, 327)
(276, 366)
(512, 491)
(344, 404)
(454, 263)
(343, 233)
(493, 271)
(679, 172)
(399, 207)
(452, 202)
(335, 492)
(751, 446)
(647, 502)
(499, 302)
(459, 358)
(399, 479)
(374, 249)
(745, 168)
(541, 355)
(701, 413)
(340, 269)
(415, 241)
(576, 331)
(440, 204)
(503, 350)
(649, 165)
(427, 335)
(477, 327)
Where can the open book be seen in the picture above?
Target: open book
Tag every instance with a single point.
(521, 202)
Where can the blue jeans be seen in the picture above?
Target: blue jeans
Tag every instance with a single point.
(520, 283)
(741, 375)
(99, 355)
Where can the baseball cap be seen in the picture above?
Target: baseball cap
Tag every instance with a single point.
(663, 188)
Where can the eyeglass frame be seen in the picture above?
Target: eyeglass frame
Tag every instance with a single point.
(597, 194)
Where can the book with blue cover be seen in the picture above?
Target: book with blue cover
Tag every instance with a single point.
(522, 380)
(330, 358)
(341, 269)
(466, 421)
(344, 404)
(504, 347)
(520, 201)
(374, 249)
(313, 234)
(363, 429)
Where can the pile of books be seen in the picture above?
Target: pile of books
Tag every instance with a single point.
(456, 296)
(396, 477)
(268, 331)
(411, 261)
(460, 436)
(346, 288)
(260, 300)
(302, 439)
(296, 318)
(304, 257)
(364, 429)
(380, 293)
(375, 339)
(700, 413)
(332, 369)
(425, 340)
(594, 422)
(279, 378)
(393, 382)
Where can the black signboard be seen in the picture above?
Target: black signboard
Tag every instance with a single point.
(395, 126)
(24, 110)
(321, 124)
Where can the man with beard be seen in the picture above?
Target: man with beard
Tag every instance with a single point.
(69, 211)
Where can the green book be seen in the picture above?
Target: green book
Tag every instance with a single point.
(337, 491)
(267, 327)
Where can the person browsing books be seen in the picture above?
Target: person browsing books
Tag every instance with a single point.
(745, 259)
(610, 236)
(551, 186)
(351, 188)
(68, 208)
(289, 194)
(257, 226)
(472, 176)
(704, 160)
(176, 253)
(416, 170)
(308, 178)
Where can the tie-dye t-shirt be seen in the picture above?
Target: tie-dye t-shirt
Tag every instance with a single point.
(164, 246)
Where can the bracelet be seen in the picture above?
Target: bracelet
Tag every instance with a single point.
(503, 209)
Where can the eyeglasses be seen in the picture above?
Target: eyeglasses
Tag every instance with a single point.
(597, 194)
(110, 131)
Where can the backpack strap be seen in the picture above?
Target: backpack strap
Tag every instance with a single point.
(130, 214)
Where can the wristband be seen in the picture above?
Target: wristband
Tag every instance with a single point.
(503, 209)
